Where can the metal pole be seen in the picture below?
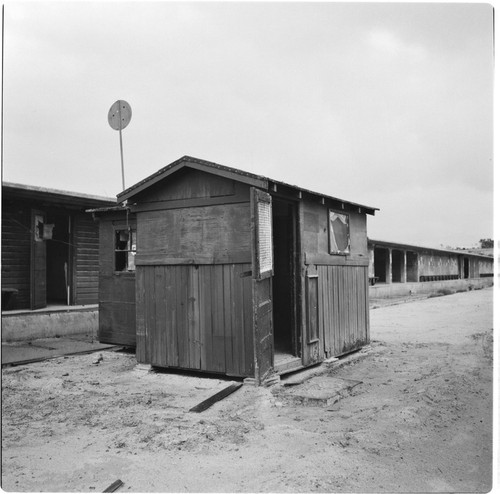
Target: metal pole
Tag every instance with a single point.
(121, 154)
(121, 143)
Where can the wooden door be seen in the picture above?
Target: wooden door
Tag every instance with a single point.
(38, 261)
(262, 272)
(312, 342)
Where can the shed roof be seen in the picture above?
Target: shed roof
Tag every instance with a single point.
(468, 252)
(225, 171)
(54, 197)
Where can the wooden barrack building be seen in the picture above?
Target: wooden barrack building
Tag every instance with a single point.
(50, 247)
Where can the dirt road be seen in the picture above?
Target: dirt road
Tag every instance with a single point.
(420, 421)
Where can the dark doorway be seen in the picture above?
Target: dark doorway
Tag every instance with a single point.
(466, 267)
(397, 266)
(284, 278)
(381, 260)
(58, 260)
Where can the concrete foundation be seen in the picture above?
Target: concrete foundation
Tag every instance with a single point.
(389, 290)
(49, 323)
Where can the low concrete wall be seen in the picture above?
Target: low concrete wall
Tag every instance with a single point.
(390, 290)
(29, 325)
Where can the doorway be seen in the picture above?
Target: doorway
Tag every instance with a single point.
(285, 280)
(466, 267)
(58, 260)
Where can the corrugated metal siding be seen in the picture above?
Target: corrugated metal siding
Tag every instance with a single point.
(16, 253)
(343, 308)
(195, 317)
(86, 268)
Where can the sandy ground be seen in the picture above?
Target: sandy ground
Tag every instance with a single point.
(420, 421)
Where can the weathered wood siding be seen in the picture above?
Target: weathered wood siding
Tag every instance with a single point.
(343, 308)
(204, 234)
(86, 260)
(195, 317)
(117, 304)
(193, 261)
(16, 252)
(336, 317)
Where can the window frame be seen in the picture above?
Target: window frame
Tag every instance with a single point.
(332, 244)
(131, 249)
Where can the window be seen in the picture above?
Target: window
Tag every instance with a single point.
(264, 235)
(339, 233)
(125, 249)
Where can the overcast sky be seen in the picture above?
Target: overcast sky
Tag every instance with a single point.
(388, 105)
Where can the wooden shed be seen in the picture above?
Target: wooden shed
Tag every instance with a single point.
(239, 274)
(50, 247)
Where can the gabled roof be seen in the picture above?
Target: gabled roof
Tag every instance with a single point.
(252, 179)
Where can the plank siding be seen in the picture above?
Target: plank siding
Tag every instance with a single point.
(86, 260)
(343, 306)
(117, 303)
(16, 253)
(202, 235)
(195, 317)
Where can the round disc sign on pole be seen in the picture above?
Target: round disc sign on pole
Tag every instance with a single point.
(119, 115)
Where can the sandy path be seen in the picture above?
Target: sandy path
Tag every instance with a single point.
(420, 420)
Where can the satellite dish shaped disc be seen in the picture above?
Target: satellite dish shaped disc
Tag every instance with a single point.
(119, 115)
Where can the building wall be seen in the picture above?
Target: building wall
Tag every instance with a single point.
(336, 286)
(393, 290)
(117, 304)
(16, 252)
(196, 317)
(86, 260)
(193, 273)
(436, 263)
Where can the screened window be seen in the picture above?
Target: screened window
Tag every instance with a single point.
(125, 249)
(339, 233)
(265, 238)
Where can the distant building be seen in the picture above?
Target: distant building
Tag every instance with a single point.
(397, 268)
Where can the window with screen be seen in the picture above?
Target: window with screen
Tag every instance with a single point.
(263, 230)
(125, 249)
(339, 233)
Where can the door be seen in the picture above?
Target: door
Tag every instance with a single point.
(262, 272)
(38, 261)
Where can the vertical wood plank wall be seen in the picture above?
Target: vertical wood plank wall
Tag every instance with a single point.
(193, 264)
(337, 287)
(343, 308)
(117, 303)
(86, 260)
(16, 252)
(195, 317)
